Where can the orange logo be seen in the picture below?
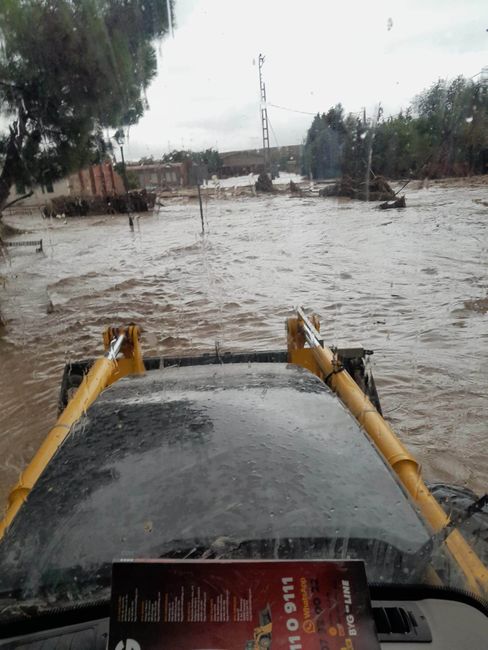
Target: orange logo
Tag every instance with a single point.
(309, 626)
(332, 631)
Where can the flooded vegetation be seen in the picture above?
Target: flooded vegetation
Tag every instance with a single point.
(409, 284)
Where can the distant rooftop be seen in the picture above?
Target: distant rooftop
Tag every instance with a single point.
(291, 148)
(152, 166)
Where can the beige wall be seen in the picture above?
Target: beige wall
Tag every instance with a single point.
(98, 180)
(158, 175)
(40, 197)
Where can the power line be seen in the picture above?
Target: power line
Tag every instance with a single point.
(291, 110)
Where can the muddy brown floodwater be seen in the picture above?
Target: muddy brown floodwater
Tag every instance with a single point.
(412, 285)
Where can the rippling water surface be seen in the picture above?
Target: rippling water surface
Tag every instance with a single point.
(412, 285)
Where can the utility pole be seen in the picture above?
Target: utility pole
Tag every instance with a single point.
(372, 134)
(200, 202)
(264, 118)
(170, 17)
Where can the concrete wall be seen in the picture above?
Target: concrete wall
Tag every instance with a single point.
(159, 175)
(97, 180)
(252, 160)
(41, 194)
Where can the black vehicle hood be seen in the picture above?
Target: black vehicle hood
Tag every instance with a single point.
(246, 451)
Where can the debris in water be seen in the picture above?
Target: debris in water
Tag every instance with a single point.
(295, 189)
(264, 183)
(77, 206)
(398, 203)
(480, 305)
(378, 190)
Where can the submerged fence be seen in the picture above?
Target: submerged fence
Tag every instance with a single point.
(16, 244)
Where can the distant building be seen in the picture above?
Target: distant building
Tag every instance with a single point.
(98, 180)
(239, 163)
(160, 175)
(154, 176)
(41, 194)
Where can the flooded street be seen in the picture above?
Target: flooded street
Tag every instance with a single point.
(412, 285)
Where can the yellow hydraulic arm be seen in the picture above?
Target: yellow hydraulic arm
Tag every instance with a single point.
(103, 372)
(323, 362)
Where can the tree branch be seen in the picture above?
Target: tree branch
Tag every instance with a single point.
(9, 84)
(20, 198)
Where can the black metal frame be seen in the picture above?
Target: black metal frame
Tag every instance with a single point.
(75, 370)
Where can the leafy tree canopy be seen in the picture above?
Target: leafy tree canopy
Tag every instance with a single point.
(443, 132)
(68, 70)
(209, 157)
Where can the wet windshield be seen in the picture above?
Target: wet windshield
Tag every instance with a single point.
(200, 169)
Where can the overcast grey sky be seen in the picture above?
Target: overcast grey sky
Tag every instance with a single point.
(318, 53)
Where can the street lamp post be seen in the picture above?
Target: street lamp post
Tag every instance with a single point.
(119, 137)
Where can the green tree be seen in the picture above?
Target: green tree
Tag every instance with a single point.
(395, 146)
(68, 70)
(209, 157)
(357, 141)
(322, 154)
(452, 127)
(177, 156)
(443, 132)
(132, 177)
(476, 130)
